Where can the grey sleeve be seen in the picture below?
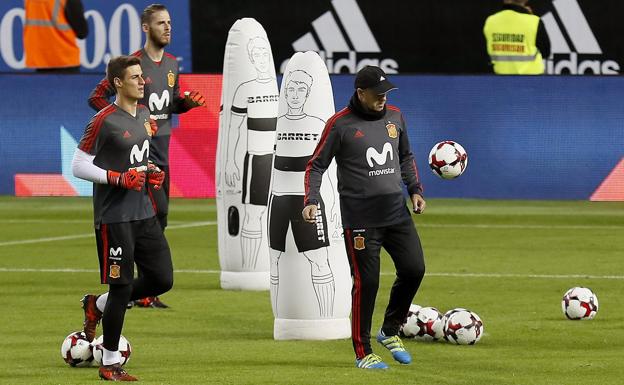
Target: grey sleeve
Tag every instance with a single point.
(409, 171)
(179, 105)
(325, 151)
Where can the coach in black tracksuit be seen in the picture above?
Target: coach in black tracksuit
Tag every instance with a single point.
(370, 143)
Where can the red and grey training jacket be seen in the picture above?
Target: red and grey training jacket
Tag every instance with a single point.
(374, 161)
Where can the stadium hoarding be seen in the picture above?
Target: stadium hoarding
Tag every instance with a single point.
(527, 137)
(425, 36)
(39, 142)
(114, 29)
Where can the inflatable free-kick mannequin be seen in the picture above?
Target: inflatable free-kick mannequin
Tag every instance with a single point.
(249, 101)
(310, 279)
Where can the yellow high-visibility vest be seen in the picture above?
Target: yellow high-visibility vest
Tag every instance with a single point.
(49, 41)
(511, 45)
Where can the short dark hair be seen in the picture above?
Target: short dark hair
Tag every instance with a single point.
(116, 67)
(146, 16)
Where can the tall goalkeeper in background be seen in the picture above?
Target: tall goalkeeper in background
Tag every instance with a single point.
(162, 97)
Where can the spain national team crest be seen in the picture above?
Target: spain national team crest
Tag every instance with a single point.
(358, 242)
(115, 271)
(392, 130)
(170, 79)
(148, 128)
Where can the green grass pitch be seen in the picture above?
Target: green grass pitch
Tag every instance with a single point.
(509, 261)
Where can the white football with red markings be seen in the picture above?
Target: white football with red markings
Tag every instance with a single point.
(448, 159)
(407, 328)
(462, 326)
(76, 350)
(125, 349)
(579, 303)
(427, 324)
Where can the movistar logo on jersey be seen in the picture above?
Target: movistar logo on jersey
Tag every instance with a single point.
(380, 158)
(157, 103)
(138, 154)
(331, 45)
(160, 117)
(383, 171)
(574, 48)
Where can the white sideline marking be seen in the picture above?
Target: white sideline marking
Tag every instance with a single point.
(192, 224)
(485, 226)
(91, 235)
(56, 221)
(48, 239)
(432, 225)
(458, 275)
(504, 275)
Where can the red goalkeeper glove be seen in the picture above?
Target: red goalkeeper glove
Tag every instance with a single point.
(153, 127)
(194, 99)
(133, 179)
(155, 176)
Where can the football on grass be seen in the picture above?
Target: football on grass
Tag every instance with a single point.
(579, 303)
(424, 325)
(124, 348)
(448, 159)
(76, 350)
(462, 326)
(412, 310)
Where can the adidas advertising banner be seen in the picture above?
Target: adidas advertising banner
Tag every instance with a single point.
(249, 100)
(424, 36)
(310, 278)
(114, 29)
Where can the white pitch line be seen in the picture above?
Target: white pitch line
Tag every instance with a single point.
(504, 275)
(425, 225)
(441, 274)
(431, 225)
(192, 224)
(90, 235)
(550, 227)
(30, 270)
(56, 221)
(47, 239)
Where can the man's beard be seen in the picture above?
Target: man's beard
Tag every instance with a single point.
(157, 43)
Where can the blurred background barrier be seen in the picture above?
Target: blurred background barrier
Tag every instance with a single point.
(526, 137)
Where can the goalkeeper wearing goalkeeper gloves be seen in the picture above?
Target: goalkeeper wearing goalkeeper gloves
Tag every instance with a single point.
(113, 154)
(162, 95)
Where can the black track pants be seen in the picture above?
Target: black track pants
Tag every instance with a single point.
(401, 241)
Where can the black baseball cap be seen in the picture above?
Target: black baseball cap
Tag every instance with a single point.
(374, 78)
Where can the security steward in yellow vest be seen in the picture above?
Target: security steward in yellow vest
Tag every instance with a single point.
(50, 31)
(516, 40)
